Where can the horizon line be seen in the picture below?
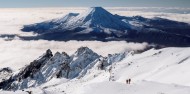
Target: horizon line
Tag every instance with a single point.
(98, 6)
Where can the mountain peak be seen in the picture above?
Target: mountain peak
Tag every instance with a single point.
(97, 9)
(97, 12)
(48, 53)
(98, 18)
(93, 14)
(92, 22)
(82, 50)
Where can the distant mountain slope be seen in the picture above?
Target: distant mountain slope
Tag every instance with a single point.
(98, 24)
(161, 24)
(96, 20)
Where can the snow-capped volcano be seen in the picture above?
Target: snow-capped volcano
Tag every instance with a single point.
(93, 20)
(97, 23)
(98, 19)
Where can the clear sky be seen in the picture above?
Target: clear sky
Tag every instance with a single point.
(89, 3)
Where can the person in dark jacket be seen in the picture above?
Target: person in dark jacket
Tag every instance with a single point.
(129, 81)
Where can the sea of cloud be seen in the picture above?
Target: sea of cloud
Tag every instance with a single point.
(17, 53)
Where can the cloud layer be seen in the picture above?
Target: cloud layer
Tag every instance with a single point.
(20, 53)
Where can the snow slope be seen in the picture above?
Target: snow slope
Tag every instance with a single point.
(167, 65)
(163, 71)
(152, 72)
(143, 87)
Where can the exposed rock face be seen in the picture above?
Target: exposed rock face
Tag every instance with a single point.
(58, 65)
(35, 66)
(28, 72)
(5, 73)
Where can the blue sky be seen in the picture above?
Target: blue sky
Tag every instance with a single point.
(89, 3)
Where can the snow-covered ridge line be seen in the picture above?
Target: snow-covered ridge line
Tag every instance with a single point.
(155, 71)
(59, 65)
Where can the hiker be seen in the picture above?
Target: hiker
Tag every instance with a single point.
(129, 81)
